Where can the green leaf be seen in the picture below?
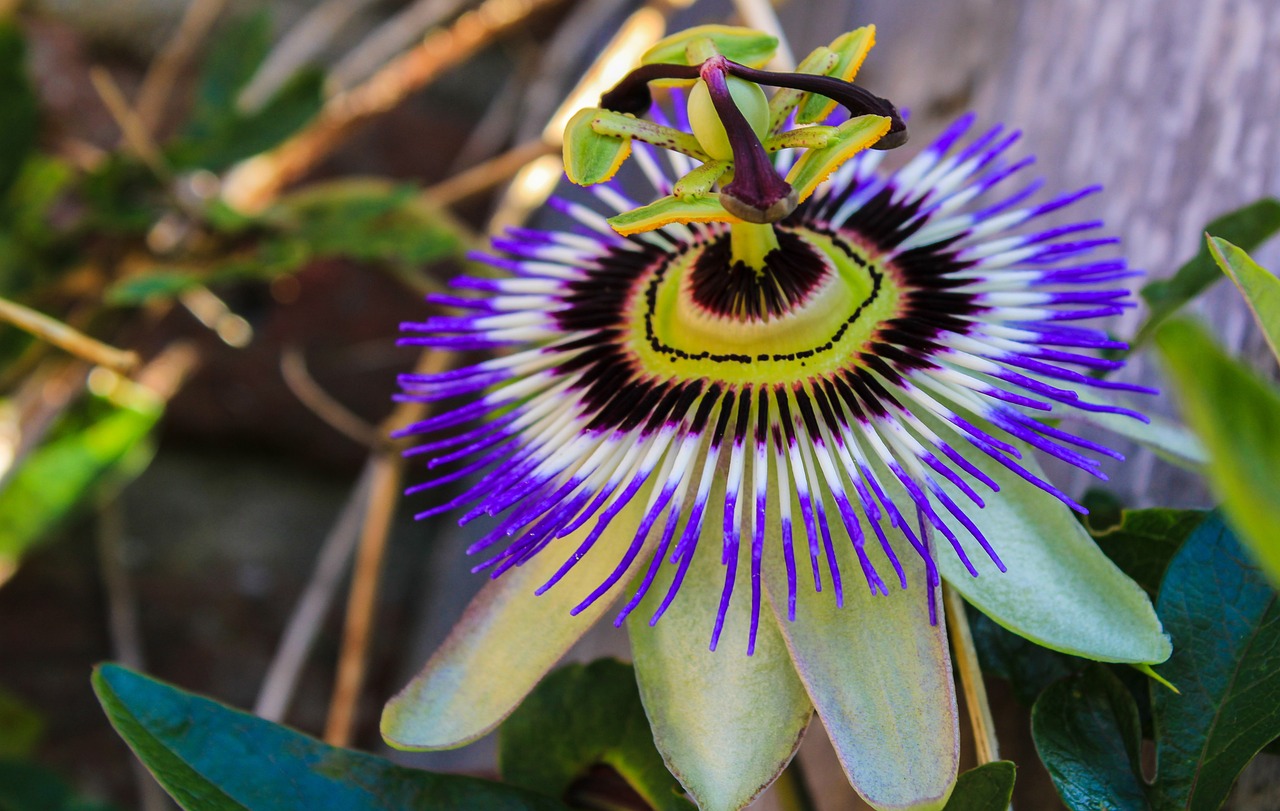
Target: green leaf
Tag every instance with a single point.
(1144, 542)
(160, 285)
(1087, 732)
(745, 46)
(989, 787)
(210, 757)
(1236, 414)
(579, 717)
(61, 474)
(1247, 227)
(879, 674)
(21, 727)
(18, 107)
(1106, 511)
(1260, 287)
(1225, 623)
(508, 639)
(27, 786)
(589, 157)
(219, 132)
(726, 723)
(367, 219)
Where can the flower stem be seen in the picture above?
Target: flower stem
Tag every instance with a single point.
(750, 243)
(975, 690)
(792, 791)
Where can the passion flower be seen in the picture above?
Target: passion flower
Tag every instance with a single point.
(778, 404)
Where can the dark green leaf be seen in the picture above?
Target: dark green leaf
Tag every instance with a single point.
(579, 717)
(19, 111)
(1027, 667)
(986, 788)
(213, 758)
(1225, 623)
(59, 475)
(1144, 542)
(219, 132)
(27, 786)
(140, 289)
(1087, 732)
(1105, 508)
(123, 197)
(1247, 227)
(1236, 414)
(20, 727)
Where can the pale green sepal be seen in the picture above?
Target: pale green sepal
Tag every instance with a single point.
(851, 49)
(507, 640)
(878, 673)
(1236, 413)
(851, 137)
(726, 723)
(667, 210)
(1059, 590)
(746, 46)
(1261, 289)
(589, 157)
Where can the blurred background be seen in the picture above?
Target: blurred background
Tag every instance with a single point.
(248, 197)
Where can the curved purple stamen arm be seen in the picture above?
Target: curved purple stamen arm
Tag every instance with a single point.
(856, 100)
(632, 94)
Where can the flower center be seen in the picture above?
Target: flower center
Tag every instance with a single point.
(809, 310)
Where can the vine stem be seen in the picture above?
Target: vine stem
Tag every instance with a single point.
(975, 690)
(53, 331)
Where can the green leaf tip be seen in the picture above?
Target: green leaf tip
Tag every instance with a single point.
(1260, 288)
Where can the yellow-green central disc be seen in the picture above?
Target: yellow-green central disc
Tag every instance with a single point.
(675, 334)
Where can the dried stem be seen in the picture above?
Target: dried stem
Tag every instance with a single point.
(759, 14)
(390, 38)
(791, 790)
(257, 181)
(301, 44)
(123, 625)
(67, 338)
(484, 176)
(304, 625)
(386, 466)
(293, 368)
(174, 59)
(134, 131)
(975, 690)
(356, 637)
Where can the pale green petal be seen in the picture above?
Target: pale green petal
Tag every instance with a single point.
(879, 675)
(1059, 589)
(507, 640)
(726, 723)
